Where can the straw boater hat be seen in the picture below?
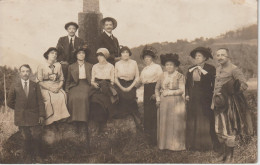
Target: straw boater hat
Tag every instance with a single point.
(149, 50)
(71, 23)
(109, 19)
(103, 52)
(45, 55)
(205, 51)
(170, 57)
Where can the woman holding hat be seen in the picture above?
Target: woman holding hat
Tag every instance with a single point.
(149, 76)
(102, 92)
(199, 92)
(78, 86)
(170, 93)
(50, 79)
(126, 77)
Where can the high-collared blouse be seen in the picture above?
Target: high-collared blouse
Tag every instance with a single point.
(172, 84)
(223, 75)
(127, 70)
(82, 71)
(47, 72)
(103, 71)
(151, 73)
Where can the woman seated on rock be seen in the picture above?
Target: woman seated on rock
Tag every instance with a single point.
(78, 87)
(102, 93)
(50, 78)
(126, 77)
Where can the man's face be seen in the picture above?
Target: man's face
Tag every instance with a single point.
(71, 30)
(222, 56)
(108, 26)
(25, 73)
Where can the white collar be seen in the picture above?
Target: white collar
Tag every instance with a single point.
(198, 67)
(109, 34)
(23, 81)
(73, 38)
(150, 64)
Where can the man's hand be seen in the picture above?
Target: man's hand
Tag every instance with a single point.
(41, 120)
(153, 97)
(243, 87)
(157, 104)
(187, 98)
(95, 85)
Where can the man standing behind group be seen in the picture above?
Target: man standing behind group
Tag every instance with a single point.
(67, 45)
(108, 40)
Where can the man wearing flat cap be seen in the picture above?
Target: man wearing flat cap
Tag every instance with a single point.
(67, 45)
(232, 117)
(108, 40)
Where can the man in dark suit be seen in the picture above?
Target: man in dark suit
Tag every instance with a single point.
(108, 40)
(66, 47)
(26, 99)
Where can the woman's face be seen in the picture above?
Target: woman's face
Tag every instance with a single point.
(101, 59)
(169, 66)
(125, 55)
(148, 59)
(52, 55)
(81, 56)
(199, 58)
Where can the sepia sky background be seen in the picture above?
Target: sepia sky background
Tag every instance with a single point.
(29, 27)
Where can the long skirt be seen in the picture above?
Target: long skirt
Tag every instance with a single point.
(78, 102)
(172, 123)
(127, 100)
(200, 122)
(55, 104)
(150, 113)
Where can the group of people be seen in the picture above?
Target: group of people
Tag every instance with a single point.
(180, 112)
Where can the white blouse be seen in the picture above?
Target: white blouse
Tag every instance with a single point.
(151, 73)
(127, 70)
(82, 71)
(103, 71)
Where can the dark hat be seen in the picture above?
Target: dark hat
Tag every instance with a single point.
(71, 23)
(80, 49)
(170, 57)
(220, 102)
(123, 48)
(231, 87)
(205, 51)
(45, 55)
(149, 50)
(109, 19)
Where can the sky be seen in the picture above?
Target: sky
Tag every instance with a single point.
(30, 27)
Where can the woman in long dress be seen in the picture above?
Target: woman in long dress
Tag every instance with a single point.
(149, 76)
(126, 77)
(170, 90)
(199, 91)
(102, 91)
(78, 87)
(51, 79)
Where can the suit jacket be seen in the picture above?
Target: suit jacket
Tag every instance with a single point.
(63, 48)
(27, 110)
(207, 83)
(73, 75)
(104, 41)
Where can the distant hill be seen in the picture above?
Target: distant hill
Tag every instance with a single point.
(241, 42)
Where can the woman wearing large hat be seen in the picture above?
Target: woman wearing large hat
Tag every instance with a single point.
(199, 91)
(148, 77)
(170, 94)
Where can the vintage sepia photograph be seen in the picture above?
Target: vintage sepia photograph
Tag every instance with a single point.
(128, 81)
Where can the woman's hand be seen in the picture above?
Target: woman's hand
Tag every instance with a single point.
(41, 120)
(243, 87)
(138, 84)
(153, 97)
(95, 85)
(157, 104)
(165, 93)
(187, 98)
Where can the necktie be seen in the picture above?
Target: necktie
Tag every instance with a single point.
(71, 45)
(70, 50)
(25, 89)
(111, 37)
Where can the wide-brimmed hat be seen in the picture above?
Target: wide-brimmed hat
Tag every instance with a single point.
(149, 50)
(71, 23)
(81, 49)
(109, 19)
(45, 55)
(123, 48)
(170, 57)
(205, 51)
(103, 52)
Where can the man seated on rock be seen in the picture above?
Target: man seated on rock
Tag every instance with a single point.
(67, 45)
(26, 100)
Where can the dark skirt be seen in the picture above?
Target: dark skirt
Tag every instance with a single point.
(78, 102)
(127, 100)
(150, 112)
(200, 122)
